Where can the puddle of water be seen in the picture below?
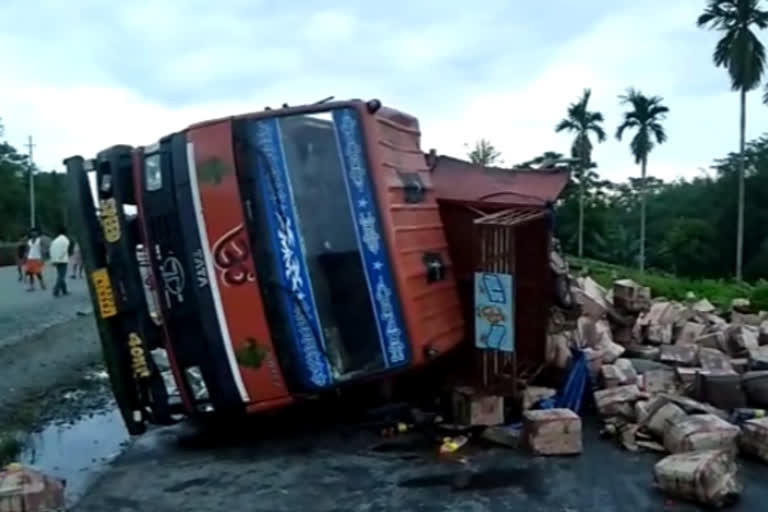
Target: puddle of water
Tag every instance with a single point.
(77, 452)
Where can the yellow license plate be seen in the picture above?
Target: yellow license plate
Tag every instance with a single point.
(104, 294)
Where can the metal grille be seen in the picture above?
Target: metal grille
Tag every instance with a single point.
(495, 244)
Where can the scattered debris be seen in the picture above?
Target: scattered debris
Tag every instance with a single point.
(740, 305)
(453, 444)
(708, 477)
(690, 333)
(703, 306)
(713, 360)
(552, 432)
(618, 401)
(756, 388)
(667, 377)
(758, 358)
(721, 389)
(661, 416)
(535, 394)
(471, 407)
(631, 297)
(701, 432)
(619, 374)
(682, 355)
(660, 381)
(505, 435)
(591, 297)
(754, 438)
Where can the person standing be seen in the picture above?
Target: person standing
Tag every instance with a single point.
(60, 258)
(21, 256)
(76, 261)
(34, 263)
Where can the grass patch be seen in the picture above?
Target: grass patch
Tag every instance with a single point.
(10, 447)
(15, 424)
(718, 291)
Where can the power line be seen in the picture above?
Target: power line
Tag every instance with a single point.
(30, 148)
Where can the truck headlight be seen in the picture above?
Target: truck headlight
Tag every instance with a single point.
(196, 383)
(153, 176)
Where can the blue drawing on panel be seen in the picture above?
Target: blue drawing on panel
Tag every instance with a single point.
(494, 288)
(494, 311)
(287, 248)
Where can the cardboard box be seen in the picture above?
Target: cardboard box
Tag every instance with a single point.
(754, 438)
(701, 432)
(659, 381)
(552, 432)
(689, 333)
(708, 477)
(630, 296)
(680, 355)
(534, 394)
(618, 401)
(471, 407)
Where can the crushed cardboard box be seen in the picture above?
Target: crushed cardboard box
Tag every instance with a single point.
(552, 432)
(708, 477)
(701, 432)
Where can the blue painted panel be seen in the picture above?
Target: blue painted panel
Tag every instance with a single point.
(373, 248)
(494, 311)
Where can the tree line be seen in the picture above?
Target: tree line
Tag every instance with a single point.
(50, 195)
(689, 227)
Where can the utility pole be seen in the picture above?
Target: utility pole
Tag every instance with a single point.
(30, 148)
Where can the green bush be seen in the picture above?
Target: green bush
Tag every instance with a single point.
(718, 291)
(759, 296)
(7, 254)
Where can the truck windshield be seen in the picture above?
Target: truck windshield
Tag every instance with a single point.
(303, 176)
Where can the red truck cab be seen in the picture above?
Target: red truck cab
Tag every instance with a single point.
(243, 263)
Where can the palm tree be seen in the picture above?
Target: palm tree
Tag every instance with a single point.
(645, 115)
(743, 55)
(484, 153)
(582, 122)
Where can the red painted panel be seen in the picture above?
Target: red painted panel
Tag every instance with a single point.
(237, 281)
(432, 310)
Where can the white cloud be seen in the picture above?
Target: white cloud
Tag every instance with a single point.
(81, 80)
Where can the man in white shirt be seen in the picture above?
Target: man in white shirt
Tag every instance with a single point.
(60, 259)
(34, 263)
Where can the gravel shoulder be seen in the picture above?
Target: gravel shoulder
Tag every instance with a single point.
(35, 366)
(38, 369)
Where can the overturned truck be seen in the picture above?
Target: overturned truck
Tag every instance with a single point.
(244, 263)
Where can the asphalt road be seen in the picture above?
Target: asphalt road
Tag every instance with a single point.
(24, 314)
(306, 466)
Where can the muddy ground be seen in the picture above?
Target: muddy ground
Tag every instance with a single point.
(47, 347)
(58, 357)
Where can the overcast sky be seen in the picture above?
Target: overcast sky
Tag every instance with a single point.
(80, 75)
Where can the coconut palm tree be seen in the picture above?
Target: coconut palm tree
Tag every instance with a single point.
(484, 153)
(743, 55)
(582, 122)
(645, 115)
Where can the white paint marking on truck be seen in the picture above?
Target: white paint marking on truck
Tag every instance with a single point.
(192, 167)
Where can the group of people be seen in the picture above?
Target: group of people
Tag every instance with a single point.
(62, 251)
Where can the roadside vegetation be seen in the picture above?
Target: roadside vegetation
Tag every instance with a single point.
(719, 292)
(707, 229)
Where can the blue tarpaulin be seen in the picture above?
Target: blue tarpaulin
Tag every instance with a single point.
(571, 393)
